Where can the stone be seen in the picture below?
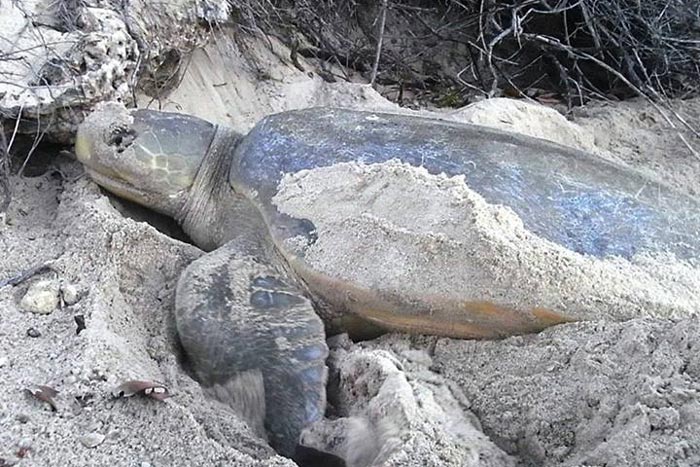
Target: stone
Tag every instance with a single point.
(41, 297)
(70, 294)
(92, 440)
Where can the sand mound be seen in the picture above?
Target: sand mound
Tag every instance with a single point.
(433, 236)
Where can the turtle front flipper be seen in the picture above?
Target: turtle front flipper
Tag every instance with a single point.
(237, 314)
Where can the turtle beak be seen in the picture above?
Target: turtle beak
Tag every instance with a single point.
(103, 175)
(83, 149)
(102, 146)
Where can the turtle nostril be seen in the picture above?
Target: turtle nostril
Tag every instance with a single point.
(121, 137)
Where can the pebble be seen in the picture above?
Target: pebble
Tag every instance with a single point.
(69, 294)
(33, 332)
(4, 361)
(41, 297)
(79, 323)
(25, 443)
(92, 440)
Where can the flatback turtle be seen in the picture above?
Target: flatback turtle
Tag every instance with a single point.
(257, 303)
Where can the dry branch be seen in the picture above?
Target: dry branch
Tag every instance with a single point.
(654, 44)
(380, 40)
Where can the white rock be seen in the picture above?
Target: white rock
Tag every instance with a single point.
(69, 294)
(92, 440)
(41, 297)
(25, 443)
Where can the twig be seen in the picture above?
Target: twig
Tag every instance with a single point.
(5, 149)
(14, 131)
(380, 40)
(38, 137)
(4, 171)
(6, 194)
(555, 43)
(24, 275)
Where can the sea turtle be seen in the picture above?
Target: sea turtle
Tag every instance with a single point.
(257, 302)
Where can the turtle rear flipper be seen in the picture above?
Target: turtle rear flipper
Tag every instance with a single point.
(236, 313)
(245, 393)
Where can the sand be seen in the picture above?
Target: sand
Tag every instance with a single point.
(125, 272)
(605, 393)
(434, 236)
(597, 393)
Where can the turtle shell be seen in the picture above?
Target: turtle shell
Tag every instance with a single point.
(577, 205)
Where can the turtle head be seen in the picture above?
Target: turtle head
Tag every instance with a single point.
(145, 156)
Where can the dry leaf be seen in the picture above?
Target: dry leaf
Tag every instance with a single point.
(147, 388)
(44, 394)
(548, 99)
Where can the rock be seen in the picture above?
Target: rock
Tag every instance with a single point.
(41, 297)
(25, 443)
(63, 61)
(92, 440)
(69, 294)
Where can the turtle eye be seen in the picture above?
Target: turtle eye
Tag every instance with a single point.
(121, 137)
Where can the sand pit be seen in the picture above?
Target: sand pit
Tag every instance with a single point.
(124, 272)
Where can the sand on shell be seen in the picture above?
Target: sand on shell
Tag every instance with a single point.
(398, 228)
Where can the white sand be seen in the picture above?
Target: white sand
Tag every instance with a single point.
(398, 228)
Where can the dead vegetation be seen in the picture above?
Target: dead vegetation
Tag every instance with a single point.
(451, 52)
(5, 194)
(456, 49)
